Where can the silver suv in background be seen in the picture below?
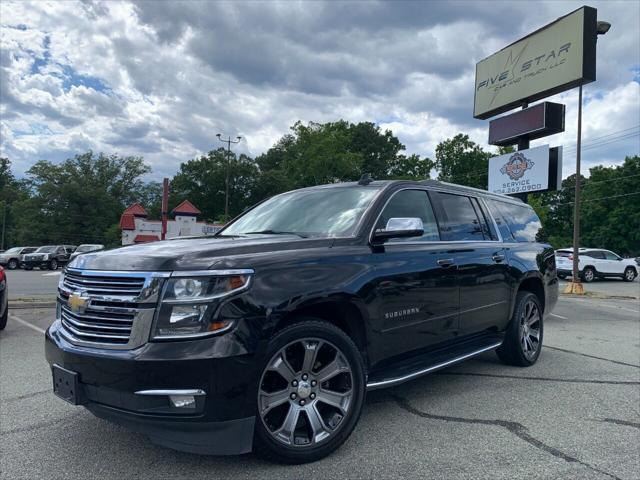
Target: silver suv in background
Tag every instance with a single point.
(13, 257)
(596, 263)
(86, 248)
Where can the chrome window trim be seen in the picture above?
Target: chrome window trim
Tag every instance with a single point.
(211, 273)
(433, 242)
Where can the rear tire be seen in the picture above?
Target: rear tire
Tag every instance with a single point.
(562, 276)
(53, 264)
(523, 339)
(13, 264)
(588, 275)
(294, 422)
(630, 274)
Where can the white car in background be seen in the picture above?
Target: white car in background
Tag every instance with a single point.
(596, 263)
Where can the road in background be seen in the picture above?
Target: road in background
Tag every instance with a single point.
(32, 284)
(43, 283)
(575, 414)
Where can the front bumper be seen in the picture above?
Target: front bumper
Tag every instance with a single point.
(222, 421)
(34, 263)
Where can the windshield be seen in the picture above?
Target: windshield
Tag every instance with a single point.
(321, 212)
(47, 249)
(13, 250)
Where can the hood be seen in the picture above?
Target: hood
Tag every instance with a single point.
(196, 254)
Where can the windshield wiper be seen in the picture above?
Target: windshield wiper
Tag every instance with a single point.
(274, 232)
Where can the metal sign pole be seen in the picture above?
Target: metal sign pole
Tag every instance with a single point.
(576, 285)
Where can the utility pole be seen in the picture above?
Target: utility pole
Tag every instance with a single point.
(228, 141)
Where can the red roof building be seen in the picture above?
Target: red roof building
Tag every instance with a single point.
(137, 228)
(145, 238)
(136, 210)
(186, 208)
(127, 222)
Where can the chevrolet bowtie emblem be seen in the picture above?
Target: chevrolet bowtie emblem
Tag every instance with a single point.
(78, 302)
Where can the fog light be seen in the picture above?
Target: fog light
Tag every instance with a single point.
(183, 401)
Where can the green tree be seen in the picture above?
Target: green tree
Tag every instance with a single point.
(11, 192)
(461, 161)
(78, 200)
(202, 182)
(319, 153)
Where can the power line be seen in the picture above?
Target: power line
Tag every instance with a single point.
(604, 142)
(594, 199)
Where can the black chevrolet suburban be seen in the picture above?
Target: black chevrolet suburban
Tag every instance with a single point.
(267, 335)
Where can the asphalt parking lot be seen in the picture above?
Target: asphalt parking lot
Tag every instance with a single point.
(575, 414)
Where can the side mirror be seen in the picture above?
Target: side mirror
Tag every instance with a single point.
(399, 228)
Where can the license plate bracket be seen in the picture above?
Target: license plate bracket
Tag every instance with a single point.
(66, 385)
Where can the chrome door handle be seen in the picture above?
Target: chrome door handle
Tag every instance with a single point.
(445, 262)
(497, 257)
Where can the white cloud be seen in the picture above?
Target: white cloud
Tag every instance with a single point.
(160, 79)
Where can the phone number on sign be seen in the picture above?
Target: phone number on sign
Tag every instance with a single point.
(517, 187)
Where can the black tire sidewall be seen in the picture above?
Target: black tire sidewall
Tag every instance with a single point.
(53, 265)
(4, 318)
(635, 273)
(309, 327)
(511, 350)
(13, 264)
(584, 275)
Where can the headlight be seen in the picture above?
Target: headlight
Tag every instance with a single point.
(45, 256)
(189, 304)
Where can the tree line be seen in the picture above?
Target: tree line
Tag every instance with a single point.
(80, 199)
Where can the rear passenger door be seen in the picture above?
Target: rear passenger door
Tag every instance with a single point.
(483, 272)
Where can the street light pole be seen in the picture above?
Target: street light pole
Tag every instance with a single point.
(575, 286)
(576, 205)
(228, 141)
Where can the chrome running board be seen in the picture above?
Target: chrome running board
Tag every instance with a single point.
(410, 376)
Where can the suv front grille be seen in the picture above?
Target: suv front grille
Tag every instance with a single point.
(115, 308)
(94, 326)
(105, 286)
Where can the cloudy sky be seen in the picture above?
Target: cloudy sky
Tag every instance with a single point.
(160, 79)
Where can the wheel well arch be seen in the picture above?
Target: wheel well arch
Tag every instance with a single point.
(535, 286)
(341, 313)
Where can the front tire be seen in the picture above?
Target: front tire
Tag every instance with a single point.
(629, 274)
(562, 276)
(310, 394)
(523, 339)
(4, 317)
(588, 275)
(13, 264)
(53, 264)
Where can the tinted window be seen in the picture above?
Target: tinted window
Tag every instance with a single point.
(413, 204)
(29, 250)
(597, 254)
(501, 221)
(562, 253)
(610, 255)
(523, 222)
(460, 221)
(488, 228)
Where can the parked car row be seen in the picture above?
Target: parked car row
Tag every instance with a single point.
(596, 263)
(46, 257)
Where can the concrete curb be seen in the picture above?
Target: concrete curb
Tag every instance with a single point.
(601, 296)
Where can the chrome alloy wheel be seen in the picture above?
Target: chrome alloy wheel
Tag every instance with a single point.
(305, 392)
(589, 275)
(530, 322)
(630, 274)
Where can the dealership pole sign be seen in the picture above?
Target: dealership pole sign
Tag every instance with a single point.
(531, 170)
(555, 58)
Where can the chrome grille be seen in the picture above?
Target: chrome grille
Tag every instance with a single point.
(117, 309)
(106, 285)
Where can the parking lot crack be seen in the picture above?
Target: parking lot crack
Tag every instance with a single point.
(515, 428)
(617, 362)
(626, 423)
(542, 379)
(28, 395)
